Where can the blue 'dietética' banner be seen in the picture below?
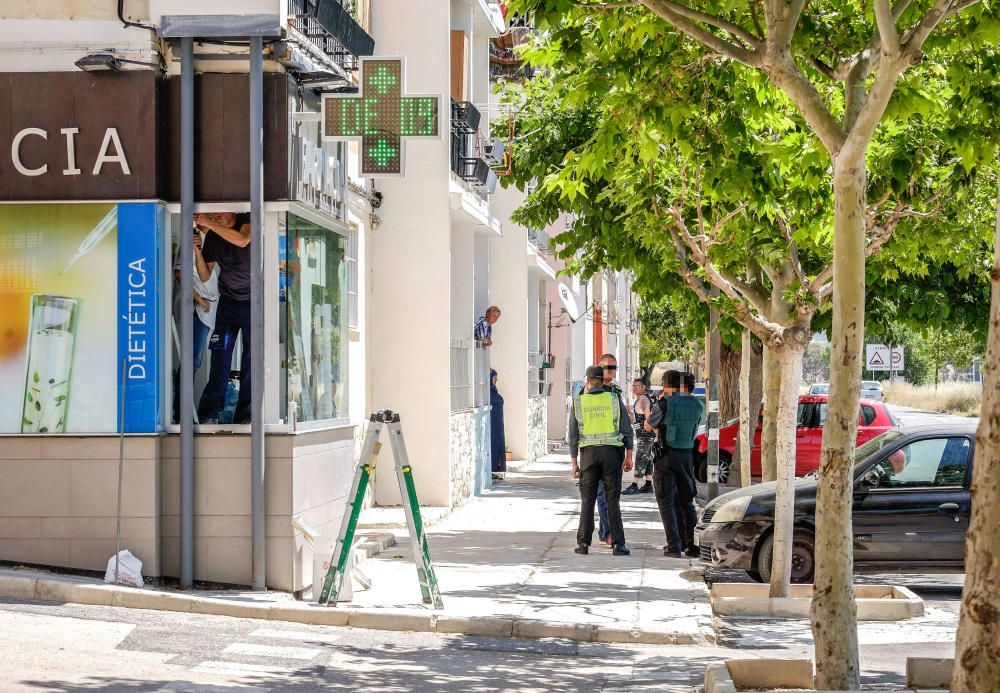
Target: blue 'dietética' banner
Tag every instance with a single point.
(140, 231)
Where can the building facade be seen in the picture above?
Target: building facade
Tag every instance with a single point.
(371, 286)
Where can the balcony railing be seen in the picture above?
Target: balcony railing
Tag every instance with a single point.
(328, 24)
(540, 240)
(467, 161)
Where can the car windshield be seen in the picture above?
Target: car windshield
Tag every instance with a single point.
(866, 450)
(820, 389)
(870, 385)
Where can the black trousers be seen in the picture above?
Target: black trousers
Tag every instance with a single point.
(601, 464)
(674, 486)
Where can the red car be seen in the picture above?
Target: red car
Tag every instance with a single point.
(874, 419)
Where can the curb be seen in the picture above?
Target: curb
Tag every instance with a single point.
(417, 620)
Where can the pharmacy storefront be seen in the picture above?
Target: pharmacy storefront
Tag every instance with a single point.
(89, 325)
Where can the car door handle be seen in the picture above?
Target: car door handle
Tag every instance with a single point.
(949, 507)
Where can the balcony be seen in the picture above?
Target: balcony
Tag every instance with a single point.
(467, 161)
(330, 26)
(505, 57)
(541, 241)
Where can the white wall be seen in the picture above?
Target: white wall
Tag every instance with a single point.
(410, 263)
(509, 291)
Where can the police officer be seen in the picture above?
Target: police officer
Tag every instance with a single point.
(676, 420)
(600, 435)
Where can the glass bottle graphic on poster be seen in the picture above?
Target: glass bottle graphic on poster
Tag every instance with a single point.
(51, 341)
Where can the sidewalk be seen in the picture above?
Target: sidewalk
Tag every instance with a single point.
(510, 553)
(505, 566)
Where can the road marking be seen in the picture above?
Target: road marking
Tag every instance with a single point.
(239, 669)
(246, 648)
(301, 635)
(191, 687)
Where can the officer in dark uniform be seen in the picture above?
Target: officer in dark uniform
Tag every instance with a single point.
(676, 420)
(600, 435)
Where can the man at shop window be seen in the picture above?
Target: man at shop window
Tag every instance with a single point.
(227, 244)
(484, 327)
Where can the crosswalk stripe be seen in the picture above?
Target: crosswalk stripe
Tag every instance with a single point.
(191, 687)
(239, 669)
(254, 650)
(302, 636)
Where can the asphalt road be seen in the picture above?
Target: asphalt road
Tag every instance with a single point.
(908, 416)
(54, 647)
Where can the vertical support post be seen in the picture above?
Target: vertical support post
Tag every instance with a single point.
(712, 424)
(258, 537)
(186, 394)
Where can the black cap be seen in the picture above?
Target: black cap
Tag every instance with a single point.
(595, 372)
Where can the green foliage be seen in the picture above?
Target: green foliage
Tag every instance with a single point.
(666, 333)
(630, 117)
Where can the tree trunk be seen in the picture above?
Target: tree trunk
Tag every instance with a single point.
(729, 384)
(771, 392)
(834, 612)
(747, 423)
(977, 648)
(789, 359)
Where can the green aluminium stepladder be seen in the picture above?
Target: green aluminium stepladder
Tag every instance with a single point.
(339, 565)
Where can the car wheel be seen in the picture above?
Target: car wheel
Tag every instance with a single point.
(725, 464)
(755, 576)
(700, 467)
(803, 557)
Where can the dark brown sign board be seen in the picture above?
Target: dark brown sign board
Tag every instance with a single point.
(79, 135)
(222, 137)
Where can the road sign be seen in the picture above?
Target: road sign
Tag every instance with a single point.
(879, 357)
(381, 116)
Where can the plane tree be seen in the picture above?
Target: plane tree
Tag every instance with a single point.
(825, 77)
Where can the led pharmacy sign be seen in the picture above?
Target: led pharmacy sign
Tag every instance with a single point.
(381, 116)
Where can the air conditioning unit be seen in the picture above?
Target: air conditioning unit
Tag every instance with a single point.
(491, 182)
(493, 153)
(465, 117)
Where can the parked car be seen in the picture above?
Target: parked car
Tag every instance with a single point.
(871, 389)
(911, 509)
(819, 389)
(874, 418)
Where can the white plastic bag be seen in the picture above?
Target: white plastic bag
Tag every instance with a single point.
(130, 570)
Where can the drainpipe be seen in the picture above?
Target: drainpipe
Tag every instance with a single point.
(187, 314)
(258, 538)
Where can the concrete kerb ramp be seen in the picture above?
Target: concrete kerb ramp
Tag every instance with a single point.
(73, 590)
(874, 602)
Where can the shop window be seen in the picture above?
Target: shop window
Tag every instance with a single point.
(316, 317)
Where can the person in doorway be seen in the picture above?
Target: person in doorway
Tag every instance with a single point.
(641, 407)
(676, 421)
(227, 243)
(610, 365)
(600, 445)
(483, 330)
(206, 303)
(498, 441)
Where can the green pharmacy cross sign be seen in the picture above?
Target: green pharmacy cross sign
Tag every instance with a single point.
(381, 116)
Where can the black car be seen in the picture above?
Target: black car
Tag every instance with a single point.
(911, 509)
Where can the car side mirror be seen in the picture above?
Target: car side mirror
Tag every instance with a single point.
(870, 480)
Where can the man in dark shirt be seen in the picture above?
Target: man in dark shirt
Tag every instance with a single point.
(228, 245)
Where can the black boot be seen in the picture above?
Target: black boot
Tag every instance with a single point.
(582, 549)
(620, 550)
(647, 487)
(692, 551)
(631, 490)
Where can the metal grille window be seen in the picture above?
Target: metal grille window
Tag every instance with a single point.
(461, 381)
(351, 258)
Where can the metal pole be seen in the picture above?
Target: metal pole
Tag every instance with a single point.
(714, 353)
(186, 395)
(257, 311)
